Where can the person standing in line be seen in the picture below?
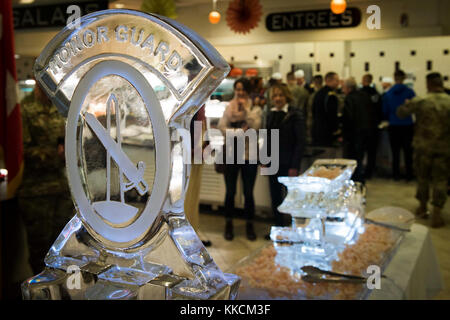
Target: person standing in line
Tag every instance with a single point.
(431, 146)
(258, 93)
(257, 87)
(375, 116)
(240, 115)
(400, 130)
(316, 85)
(386, 84)
(290, 123)
(294, 88)
(296, 84)
(275, 78)
(355, 125)
(325, 126)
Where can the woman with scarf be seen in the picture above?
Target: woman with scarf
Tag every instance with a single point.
(240, 115)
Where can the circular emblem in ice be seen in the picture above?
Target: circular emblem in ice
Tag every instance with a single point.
(112, 220)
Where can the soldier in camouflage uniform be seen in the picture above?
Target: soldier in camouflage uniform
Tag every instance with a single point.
(431, 146)
(44, 196)
(299, 92)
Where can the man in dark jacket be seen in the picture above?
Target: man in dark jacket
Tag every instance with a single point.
(375, 117)
(401, 131)
(355, 125)
(325, 116)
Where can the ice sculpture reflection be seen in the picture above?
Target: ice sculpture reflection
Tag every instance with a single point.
(127, 81)
(327, 209)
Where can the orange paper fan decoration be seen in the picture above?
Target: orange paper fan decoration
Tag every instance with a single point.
(243, 15)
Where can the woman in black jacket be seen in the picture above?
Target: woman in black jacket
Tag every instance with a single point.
(292, 136)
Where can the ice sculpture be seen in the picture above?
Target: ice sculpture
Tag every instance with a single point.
(327, 210)
(128, 82)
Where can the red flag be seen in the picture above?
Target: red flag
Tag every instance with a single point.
(11, 149)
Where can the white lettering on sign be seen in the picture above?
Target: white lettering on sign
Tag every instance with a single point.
(276, 22)
(40, 22)
(89, 38)
(28, 18)
(58, 15)
(288, 21)
(347, 18)
(310, 20)
(317, 19)
(334, 20)
(322, 19)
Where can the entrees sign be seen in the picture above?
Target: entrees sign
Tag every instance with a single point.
(314, 19)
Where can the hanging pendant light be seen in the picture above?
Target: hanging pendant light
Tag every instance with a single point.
(214, 16)
(338, 6)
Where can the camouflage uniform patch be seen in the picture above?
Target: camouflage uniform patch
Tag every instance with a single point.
(44, 197)
(300, 95)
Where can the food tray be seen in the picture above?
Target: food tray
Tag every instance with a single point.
(281, 281)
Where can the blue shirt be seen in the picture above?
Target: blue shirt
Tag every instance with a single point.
(394, 98)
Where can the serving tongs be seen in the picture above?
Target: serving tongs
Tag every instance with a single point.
(314, 275)
(287, 242)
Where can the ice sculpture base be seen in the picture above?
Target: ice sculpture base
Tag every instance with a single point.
(309, 242)
(173, 266)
